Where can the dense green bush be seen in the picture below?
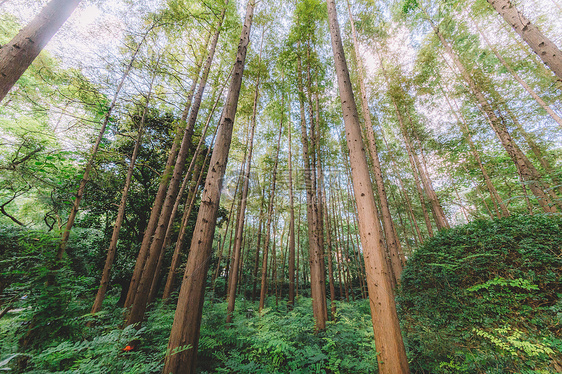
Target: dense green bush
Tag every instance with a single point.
(485, 297)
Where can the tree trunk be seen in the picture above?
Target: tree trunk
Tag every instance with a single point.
(318, 289)
(291, 297)
(263, 289)
(187, 212)
(143, 289)
(525, 169)
(89, 165)
(257, 258)
(539, 43)
(121, 213)
(160, 196)
(520, 80)
(392, 241)
(436, 208)
(19, 53)
(388, 338)
(494, 196)
(233, 279)
(187, 319)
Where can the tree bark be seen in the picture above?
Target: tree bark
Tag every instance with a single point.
(233, 279)
(90, 164)
(184, 338)
(539, 43)
(388, 338)
(526, 170)
(291, 296)
(19, 53)
(318, 289)
(263, 289)
(518, 78)
(160, 196)
(392, 241)
(100, 296)
(143, 289)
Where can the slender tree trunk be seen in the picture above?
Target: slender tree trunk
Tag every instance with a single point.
(160, 196)
(263, 289)
(257, 258)
(89, 165)
(318, 289)
(19, 53)
(100, 296)
(388, 338)
(539, 43)
(187, 319)
(291, 296)
(392, 241)
(233, 279)
(187, 212)
(516, 76)
(143, 289)
(494, 196)
(526, 170)
(436, 208)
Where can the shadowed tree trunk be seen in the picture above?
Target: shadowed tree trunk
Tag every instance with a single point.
(291, 296)
(120, 214)
(233, 279)
(318, 289)
(187, 318)
(143, 289)
(263, 289)
(388, 338)
(19, 53)
(160, 195)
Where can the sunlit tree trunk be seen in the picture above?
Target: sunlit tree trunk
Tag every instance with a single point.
(187, 318)
(388, 338)
(19, 53)
(392, 241)
(539, 43)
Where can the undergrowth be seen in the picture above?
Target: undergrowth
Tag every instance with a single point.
(486, 298)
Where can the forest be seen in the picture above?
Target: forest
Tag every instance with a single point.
(281, 186)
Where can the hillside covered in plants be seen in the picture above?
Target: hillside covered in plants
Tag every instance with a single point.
(300, 186)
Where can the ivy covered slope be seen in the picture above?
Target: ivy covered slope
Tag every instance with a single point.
(485, 298)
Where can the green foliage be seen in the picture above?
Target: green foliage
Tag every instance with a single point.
(281, 341)
(485, 297)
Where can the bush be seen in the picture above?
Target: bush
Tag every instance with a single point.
(485, 297)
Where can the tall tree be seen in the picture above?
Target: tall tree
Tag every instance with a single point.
(184, 338)
(143, 289)
(388, 338)
(19, 53)
(539, 43)
(238, 236)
